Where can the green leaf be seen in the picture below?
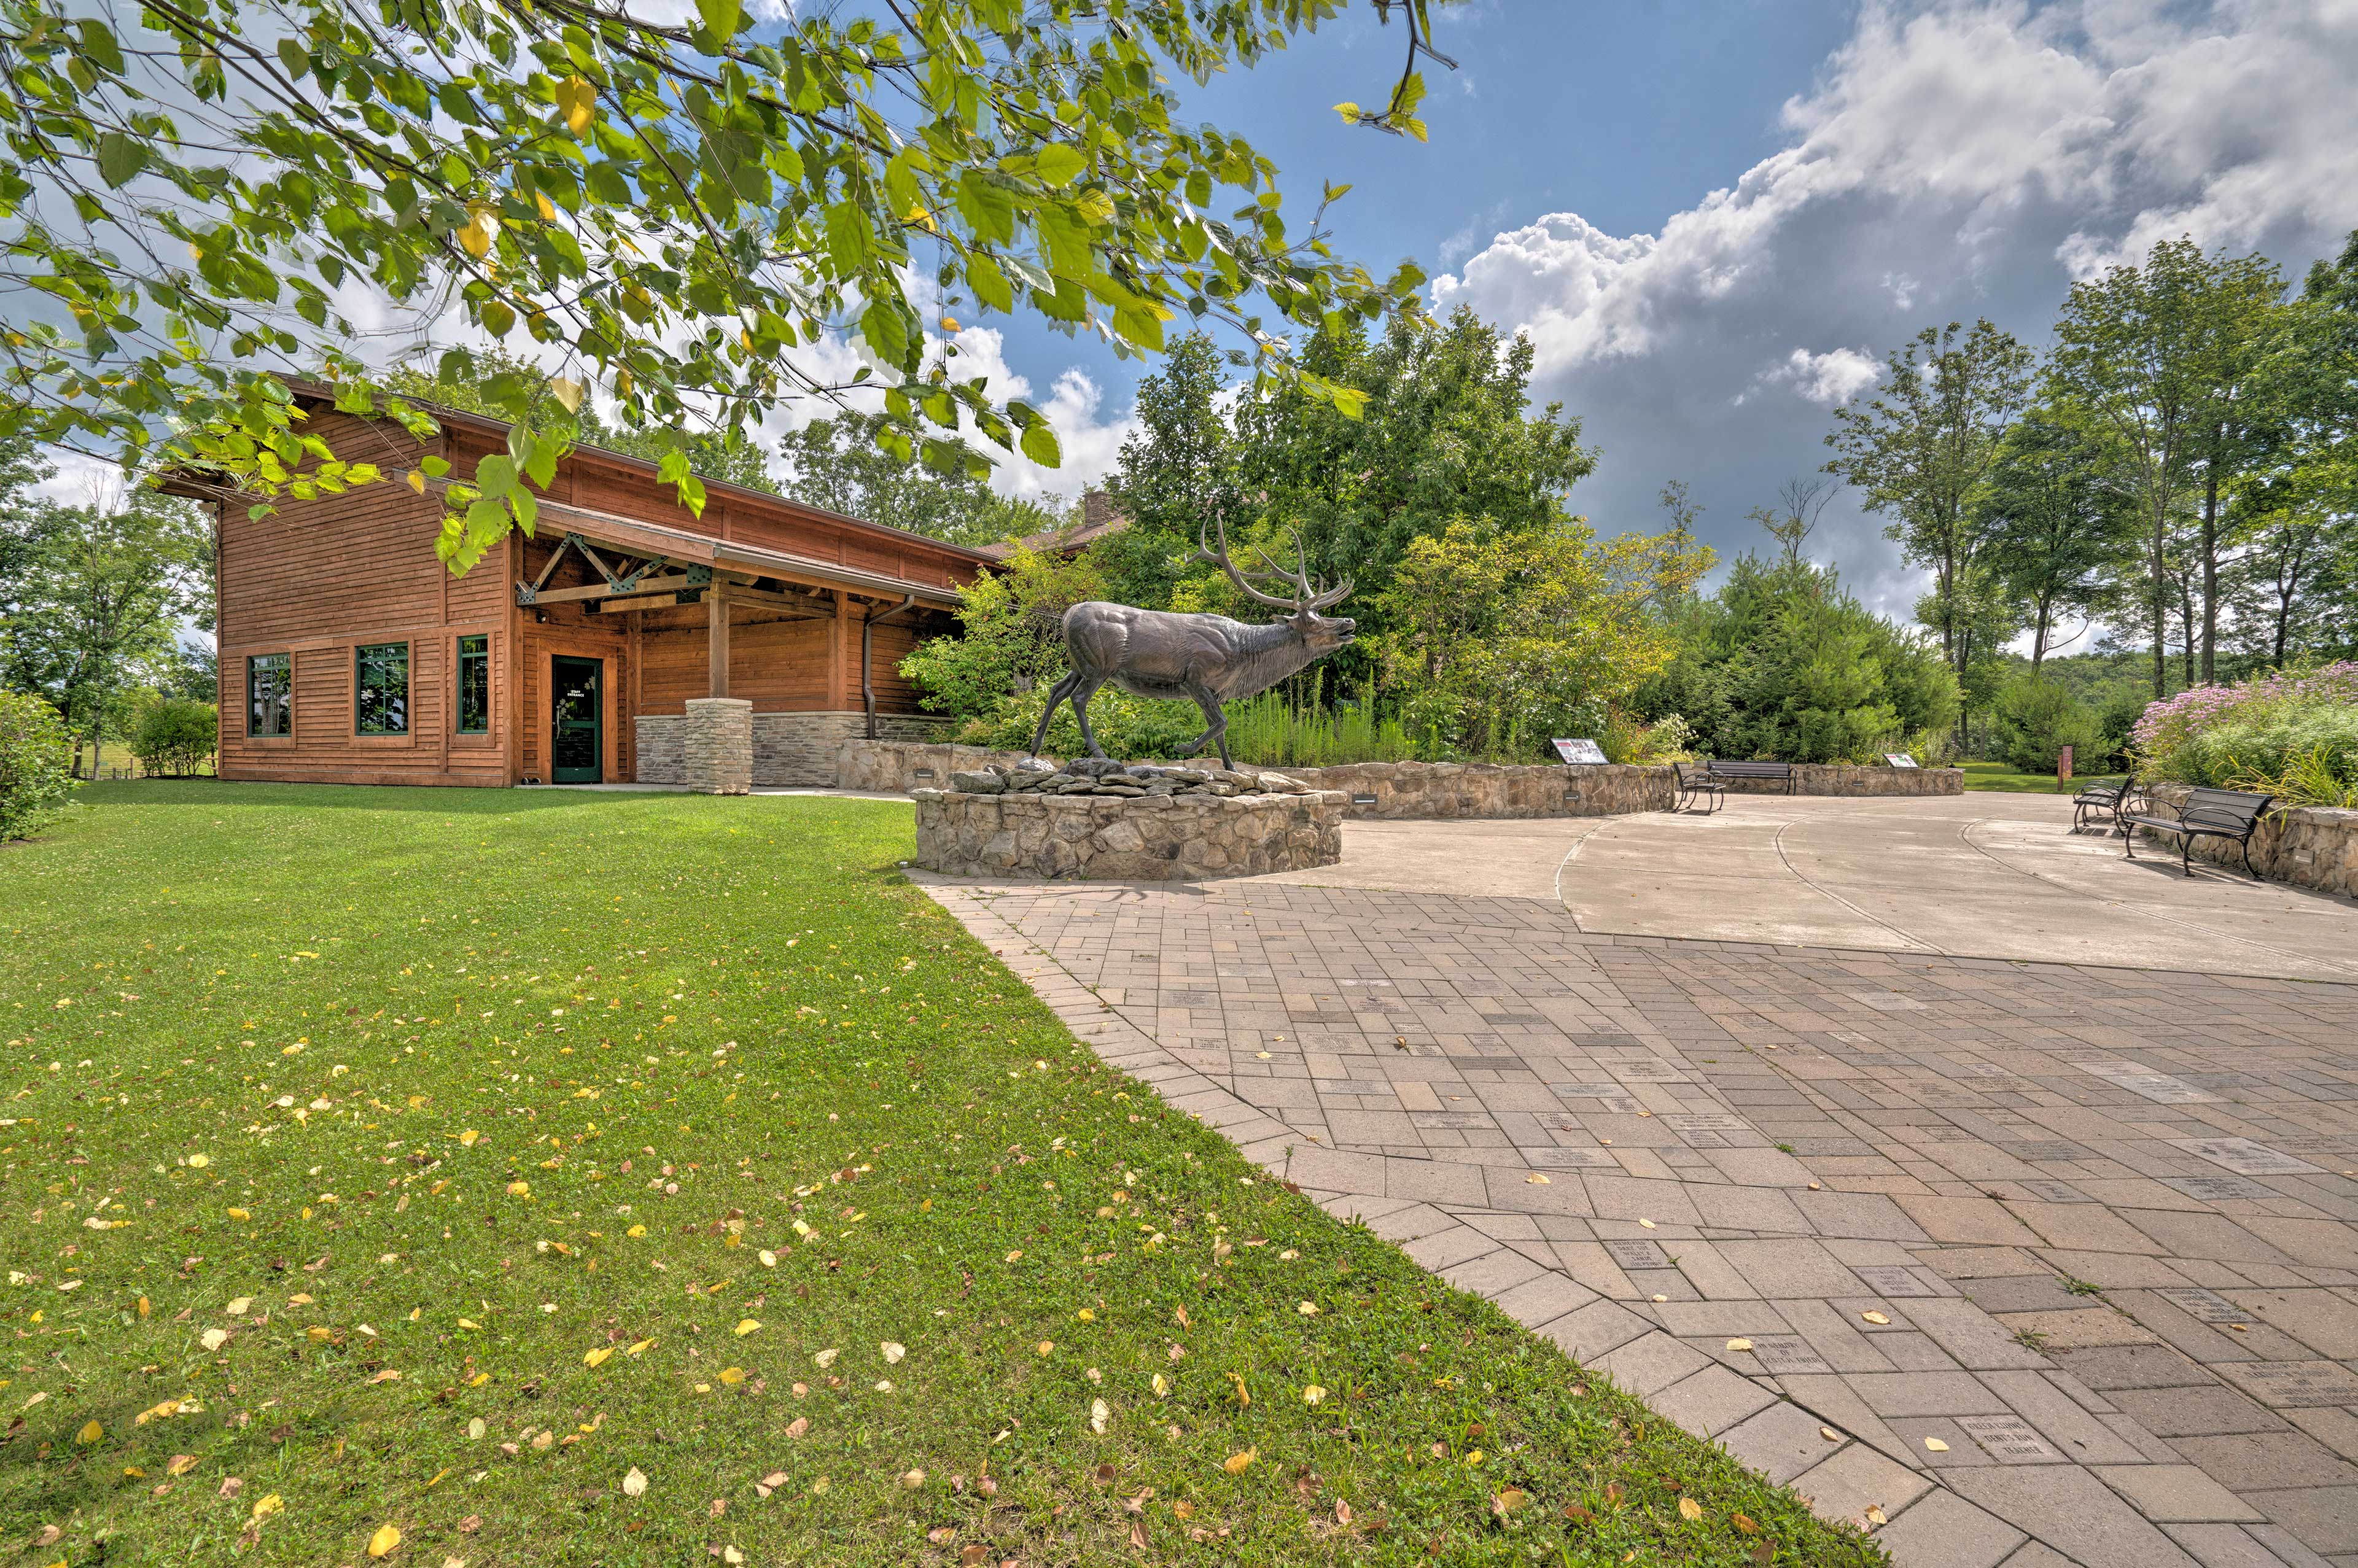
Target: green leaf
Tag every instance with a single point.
(989, 284)
(1040, 444)
(1142, 326)
(1350, 112)
(846, 238)
(886, 332)
(1060, 165)
(120, 159)
(720, 18)
(99, 47)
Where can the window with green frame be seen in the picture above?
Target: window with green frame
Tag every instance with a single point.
(269, 698)
(475, 684)
(381, 688)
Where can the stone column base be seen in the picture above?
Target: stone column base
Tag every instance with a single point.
(718, 744)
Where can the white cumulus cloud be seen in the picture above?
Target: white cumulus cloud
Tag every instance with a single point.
(1952, 161)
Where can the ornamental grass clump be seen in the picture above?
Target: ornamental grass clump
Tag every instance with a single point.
(2292, 734)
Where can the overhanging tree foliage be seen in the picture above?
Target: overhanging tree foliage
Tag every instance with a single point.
(839, 465)
(682, 213)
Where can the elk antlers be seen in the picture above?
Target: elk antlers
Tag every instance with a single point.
(1308, 596)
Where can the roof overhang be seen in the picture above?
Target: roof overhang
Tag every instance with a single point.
(702, 550)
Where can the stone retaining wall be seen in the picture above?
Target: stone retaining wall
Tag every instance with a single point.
(1842, 779)
(1417, 791)
(1424, 789)
(896, 767)
(1104, 839)
(2307, 846)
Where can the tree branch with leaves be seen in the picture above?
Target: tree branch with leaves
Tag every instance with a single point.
(225, 195)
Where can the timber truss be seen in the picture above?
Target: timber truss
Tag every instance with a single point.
(634, 582)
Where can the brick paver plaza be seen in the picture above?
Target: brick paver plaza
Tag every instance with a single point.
(2036, 1263)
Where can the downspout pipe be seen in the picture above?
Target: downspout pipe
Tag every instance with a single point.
(868, 624)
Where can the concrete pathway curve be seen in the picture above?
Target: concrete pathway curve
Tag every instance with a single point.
(1980, 875)
(2036, 1263)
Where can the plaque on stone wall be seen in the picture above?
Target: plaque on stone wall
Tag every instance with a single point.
(1899, 759)
(1587, 751)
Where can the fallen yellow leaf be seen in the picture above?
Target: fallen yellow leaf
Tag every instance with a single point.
(747, 1325)
(1237, 1464)
(1874, 1317)
(1934, 1446)
(382, 1543)
(1689, 1510)
(598, 1357)
(90, 1434)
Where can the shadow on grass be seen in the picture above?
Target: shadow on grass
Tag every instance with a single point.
(449, 800)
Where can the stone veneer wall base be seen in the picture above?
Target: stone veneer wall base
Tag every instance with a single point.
(1107, 838)
(790, 750)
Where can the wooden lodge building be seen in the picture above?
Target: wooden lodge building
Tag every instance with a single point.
(627, 640)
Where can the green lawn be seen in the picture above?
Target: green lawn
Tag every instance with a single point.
(563, 1178)
(1999, 776)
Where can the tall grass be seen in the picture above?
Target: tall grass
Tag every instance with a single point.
(1277, 733)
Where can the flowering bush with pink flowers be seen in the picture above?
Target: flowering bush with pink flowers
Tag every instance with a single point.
(2293, 734)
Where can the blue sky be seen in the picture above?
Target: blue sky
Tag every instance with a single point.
(1714, 218)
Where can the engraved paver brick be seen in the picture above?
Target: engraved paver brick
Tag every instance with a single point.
(1780, 1441)
(2176, 1494)
(1944, 1530)
(1855, 1479)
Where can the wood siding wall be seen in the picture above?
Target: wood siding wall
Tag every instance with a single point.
(318, 579)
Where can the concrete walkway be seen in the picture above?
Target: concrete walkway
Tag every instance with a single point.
(2032, 1263)
(1983, 875)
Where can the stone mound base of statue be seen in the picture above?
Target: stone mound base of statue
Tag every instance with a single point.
(1095, 820)
(1126, 781)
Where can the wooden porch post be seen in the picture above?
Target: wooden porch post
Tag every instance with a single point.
(838, 670)
(716, 656)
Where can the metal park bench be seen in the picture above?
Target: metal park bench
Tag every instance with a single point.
(2103, 797)
(1697, 779)
(2207, 814)
(1774, 772)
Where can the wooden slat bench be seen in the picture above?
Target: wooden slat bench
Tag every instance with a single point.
(2207, 814)
(1697, 779)
(1773, 772)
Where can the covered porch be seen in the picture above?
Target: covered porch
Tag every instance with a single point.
(655, 655)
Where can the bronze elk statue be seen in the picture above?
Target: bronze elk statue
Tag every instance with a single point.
(1208, 658)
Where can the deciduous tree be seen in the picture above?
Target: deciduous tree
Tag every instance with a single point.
(1921, 448)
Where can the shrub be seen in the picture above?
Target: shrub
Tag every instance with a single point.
(2037, 719)
(35, 770)
(2293, 734)
(176, 737)
(1131, 728)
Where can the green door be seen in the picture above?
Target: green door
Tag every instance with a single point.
(579, 747)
